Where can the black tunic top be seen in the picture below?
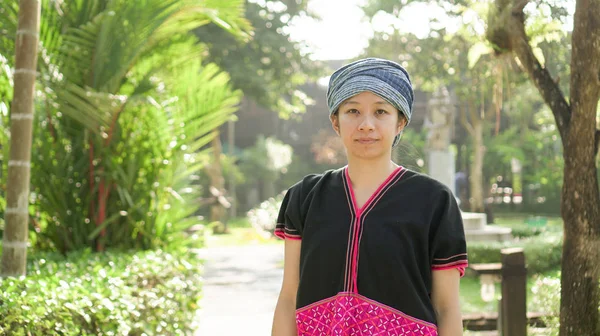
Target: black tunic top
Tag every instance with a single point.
(371, 267)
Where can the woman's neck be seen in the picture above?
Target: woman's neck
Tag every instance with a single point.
(369, 173)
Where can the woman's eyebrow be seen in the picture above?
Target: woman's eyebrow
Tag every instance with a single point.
(352, 102)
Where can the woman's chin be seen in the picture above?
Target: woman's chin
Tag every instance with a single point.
(368, 152)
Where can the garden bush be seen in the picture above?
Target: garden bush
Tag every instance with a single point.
(546, 292)
(546, 299)
(542, 253)
(138, 293)
(523, 231)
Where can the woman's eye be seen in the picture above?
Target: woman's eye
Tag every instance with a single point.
(381, 112)
(352, 111)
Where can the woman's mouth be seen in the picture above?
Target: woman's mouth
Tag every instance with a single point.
(366, 141)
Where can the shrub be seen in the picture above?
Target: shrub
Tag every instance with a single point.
(542, 253)
(138, 293)
(546, 299)
(523, 231)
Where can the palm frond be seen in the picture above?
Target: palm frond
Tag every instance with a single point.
(128, 72)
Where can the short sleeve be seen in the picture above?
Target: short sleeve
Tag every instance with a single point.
(288, 221)
(448, 243)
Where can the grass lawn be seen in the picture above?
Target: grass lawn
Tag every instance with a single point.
(470, 297)
(519, 220)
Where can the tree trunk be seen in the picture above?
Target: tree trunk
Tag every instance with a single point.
(580, 203)
(217, 182)
(476, 178)
(14, 244)
(580, 274)
(232, 184)
(103, 193)
(581, 249)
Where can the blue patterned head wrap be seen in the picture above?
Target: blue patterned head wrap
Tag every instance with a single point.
(385, 78)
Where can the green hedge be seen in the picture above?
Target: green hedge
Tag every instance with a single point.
(542, 252)
(138, 293)
(522, 231)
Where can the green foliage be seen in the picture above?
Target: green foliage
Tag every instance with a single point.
(142, 293)
(546, 290)
(546, 298)
(557, 53)
(372, 7)
(556, 10)
(542, 252)
(270, 68)
(125, 112)
(522, 232)
(267, 159)
(539, 151)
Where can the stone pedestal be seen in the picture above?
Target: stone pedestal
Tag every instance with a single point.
(441, 167)
(476, 228)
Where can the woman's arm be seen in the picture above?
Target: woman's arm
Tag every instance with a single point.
(284, 320)
(446, 302)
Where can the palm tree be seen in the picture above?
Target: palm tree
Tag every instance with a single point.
(14, 239)
(128, 107)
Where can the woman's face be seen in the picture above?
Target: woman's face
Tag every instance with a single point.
(367, 125)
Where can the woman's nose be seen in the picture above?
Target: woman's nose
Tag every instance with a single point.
(366, 123)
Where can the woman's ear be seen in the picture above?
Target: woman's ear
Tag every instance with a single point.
(401, 124)
(335, 123)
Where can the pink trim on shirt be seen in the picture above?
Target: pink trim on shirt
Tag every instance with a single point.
(280, 233)
(460, 267)
(374, 198)
(450, 264)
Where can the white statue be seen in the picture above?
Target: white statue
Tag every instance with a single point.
(440, 120)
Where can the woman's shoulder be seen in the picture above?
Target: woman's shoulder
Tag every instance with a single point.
(425, 183)
(311, 181)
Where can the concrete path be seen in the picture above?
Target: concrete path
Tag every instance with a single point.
(240, 290)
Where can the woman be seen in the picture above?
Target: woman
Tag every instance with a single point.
(372, 248)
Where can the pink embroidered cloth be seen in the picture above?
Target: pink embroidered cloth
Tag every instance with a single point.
(351, 314)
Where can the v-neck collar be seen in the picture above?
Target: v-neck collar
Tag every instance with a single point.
(358, 211)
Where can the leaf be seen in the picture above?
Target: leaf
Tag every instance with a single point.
(476, 51)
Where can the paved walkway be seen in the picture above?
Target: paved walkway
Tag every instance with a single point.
(240, 290)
